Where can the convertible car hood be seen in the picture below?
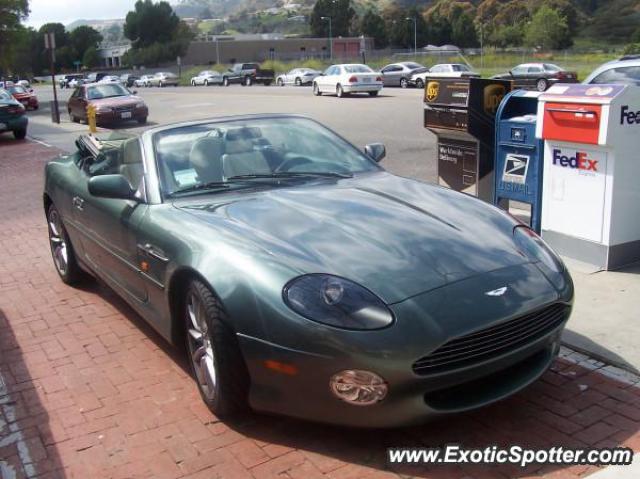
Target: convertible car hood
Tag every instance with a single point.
(395, 236)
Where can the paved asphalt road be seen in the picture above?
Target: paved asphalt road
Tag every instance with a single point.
(394, 118)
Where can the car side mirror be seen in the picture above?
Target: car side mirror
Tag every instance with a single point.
(135, 92)
(375, 151)
(111, 186)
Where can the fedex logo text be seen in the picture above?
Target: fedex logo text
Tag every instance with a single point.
(629, 117)
(579, 161)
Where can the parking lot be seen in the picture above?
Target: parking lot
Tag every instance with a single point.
(87, 389)
(394, 118)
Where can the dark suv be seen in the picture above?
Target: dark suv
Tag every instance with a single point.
(247, 74)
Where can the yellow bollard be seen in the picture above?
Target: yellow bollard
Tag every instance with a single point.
(91, 118)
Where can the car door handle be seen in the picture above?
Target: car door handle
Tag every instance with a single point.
(153, 252)
(78, 203)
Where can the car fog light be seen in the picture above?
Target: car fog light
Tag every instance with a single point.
(360, 388)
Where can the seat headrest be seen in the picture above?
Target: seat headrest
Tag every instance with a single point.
(244, 133)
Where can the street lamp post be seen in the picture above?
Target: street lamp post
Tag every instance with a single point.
(330, 37)
(415, 34)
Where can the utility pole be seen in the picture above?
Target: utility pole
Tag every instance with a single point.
(50, 44)
(330, 37)
(415, 34)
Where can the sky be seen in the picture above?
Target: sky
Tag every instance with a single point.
(66, 11)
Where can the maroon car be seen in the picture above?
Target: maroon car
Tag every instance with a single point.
(113, 103)
(24, 96)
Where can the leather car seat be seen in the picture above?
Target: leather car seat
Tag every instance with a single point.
(242, 158)
(206, 159)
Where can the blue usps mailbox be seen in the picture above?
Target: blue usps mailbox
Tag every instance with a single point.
(519, 155)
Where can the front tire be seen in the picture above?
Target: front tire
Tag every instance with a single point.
(280, 82)
(316, 90)
(419, 83)
(225, 81)
(20, 134)
(62, 252)
(193, 83)
(373, 93)
(248, 81)
(298, 82)
(339, 91)
(206, 83)
(216, 360)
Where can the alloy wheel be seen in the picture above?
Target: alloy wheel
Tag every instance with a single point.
(298, 82)
(404, 83)
(58, 243)
(419, 83)
(541, 85)
(200, 347)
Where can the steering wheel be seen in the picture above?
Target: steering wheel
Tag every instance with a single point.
(287, 164)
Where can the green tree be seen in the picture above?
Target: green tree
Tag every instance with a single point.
(372, 25)
(83, 38)
(65, 53)
(91, 59)
(341, 13)
(399, 24)
(463, 32)
(150, 23)
(156, 34)
(547, 30)
(12, 12)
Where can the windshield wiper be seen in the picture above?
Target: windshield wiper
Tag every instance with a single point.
(292, 174)
(202, 186)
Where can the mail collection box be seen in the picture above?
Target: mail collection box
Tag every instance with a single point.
(591, 187)
(461, 113)
(519, 154)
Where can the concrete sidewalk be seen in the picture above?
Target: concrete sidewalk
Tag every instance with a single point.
(605, 323)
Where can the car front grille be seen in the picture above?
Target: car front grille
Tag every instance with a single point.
(494, 341)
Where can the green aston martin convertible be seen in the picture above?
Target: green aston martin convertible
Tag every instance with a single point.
(302, 277)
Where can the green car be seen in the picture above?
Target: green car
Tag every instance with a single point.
(303, 278)
(12, 115)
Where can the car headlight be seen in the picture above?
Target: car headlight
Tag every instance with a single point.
(104, 109)
(140, 105)
(337, 302)
(533, 247)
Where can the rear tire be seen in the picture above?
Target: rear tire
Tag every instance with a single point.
(225, 81)
(193, 83)
(298, 82)
(542, 84)
(404, 83)
(62, 252)
(206, 83)
(280, 82)
(248, 81)
(373, 93)
(214, 353)
(20, 134)
(339, 91)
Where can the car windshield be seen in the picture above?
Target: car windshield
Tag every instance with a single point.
(106, 91)
(241, 153)
(357, 69)
(4, 95)
(17, 89)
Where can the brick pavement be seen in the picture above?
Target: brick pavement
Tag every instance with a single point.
(88, 390)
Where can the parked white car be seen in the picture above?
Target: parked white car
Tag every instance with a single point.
(443, 70)
(349, 78)
(298, 77)
(626, 71)
(143, 81)
(206, 78)
(110, 79)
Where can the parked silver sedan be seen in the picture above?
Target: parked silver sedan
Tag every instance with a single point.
(162, 79)
(206, 78)
(399, 74)
(143, 81)
(297, 77)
